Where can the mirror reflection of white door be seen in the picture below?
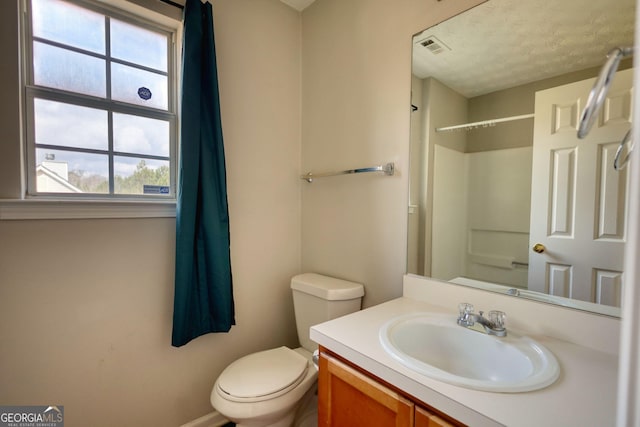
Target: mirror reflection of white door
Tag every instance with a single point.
(579, 217)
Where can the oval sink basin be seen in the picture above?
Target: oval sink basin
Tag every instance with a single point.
(435, 346)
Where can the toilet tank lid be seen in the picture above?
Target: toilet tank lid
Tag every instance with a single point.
(326, 287)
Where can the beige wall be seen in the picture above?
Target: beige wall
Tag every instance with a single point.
(356, 73)
(439, 106)
(417, 165)
(9, 107)
(86, 305)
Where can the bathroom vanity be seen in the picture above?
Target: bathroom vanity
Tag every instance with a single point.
(360, 383)
(349, 396)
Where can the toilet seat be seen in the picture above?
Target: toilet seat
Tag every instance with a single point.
(262, 376)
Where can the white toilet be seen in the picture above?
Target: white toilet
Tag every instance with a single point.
(277, 387)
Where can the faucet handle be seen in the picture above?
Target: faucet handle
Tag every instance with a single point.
(497, 318)
(465, 317)
(465, 309)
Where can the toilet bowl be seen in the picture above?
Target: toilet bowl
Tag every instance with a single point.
(277, 387)
(265, 388)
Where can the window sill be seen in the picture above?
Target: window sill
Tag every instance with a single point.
(13, 209)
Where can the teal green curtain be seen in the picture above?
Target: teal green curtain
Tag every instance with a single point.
(203, 301)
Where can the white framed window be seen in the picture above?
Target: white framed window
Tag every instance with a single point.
(100, 103)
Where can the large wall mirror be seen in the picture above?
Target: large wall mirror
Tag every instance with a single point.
(503, 195)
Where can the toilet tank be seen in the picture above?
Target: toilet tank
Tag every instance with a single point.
(318, 298)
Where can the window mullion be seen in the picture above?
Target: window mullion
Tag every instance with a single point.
(74, 149)
(111, 160)
(74, 49)
(107, 38)
(94, 102)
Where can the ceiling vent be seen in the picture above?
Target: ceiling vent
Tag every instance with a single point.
(434, 45)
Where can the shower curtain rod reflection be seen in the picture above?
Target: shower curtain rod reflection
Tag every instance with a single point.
(484, 123)
(387, 169)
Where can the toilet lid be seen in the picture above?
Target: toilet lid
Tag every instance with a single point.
(259, 376)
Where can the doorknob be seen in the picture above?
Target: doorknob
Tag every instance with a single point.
(538, 248)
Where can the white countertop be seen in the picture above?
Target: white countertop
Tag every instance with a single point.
(583, 395)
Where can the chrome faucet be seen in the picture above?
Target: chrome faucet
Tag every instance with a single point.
(494, 325)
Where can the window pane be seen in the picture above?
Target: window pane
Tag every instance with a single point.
(57, 123)
(63, 69)
(86, 62)
(133, 174)
(140, 135)
(60, 171)
(69, 24)
(138, 87)
(138, 45)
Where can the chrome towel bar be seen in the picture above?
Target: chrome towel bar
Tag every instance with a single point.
(387, 169)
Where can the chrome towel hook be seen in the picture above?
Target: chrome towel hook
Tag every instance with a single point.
(600, 89)
(616, 162)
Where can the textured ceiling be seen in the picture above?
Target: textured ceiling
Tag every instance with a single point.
(504, 43)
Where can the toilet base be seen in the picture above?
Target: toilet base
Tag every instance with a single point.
(283, 422)
(305, 415)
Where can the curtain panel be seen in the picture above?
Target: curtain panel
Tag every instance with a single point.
(203, 300)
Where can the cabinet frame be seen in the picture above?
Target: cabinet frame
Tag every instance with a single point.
(376, 402)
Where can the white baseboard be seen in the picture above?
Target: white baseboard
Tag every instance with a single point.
(214, 419)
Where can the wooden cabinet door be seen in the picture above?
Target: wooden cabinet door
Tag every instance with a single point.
(425, 418)
(347, 398)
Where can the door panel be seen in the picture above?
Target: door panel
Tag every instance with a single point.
(578, 200)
